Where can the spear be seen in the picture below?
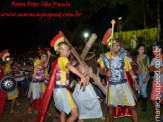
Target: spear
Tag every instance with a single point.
(109, 42)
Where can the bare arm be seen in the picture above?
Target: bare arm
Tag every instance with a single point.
(75, 71)
(132, 74)
(47, 61)
(153, 68)
(106, 73)
(88, 72)
(48, 66)
(134, 79)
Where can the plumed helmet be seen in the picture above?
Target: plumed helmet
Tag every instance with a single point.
(5, 56)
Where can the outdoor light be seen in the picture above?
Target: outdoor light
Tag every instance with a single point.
(86, 35)
(119, 18)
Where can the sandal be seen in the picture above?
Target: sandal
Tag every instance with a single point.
(29, 111)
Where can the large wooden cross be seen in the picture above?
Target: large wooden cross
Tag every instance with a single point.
(81, 59)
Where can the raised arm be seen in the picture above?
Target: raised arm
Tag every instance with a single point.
(48, 58)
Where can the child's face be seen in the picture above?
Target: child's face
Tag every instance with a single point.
(43, 58)
(66, 51)
(156, 51)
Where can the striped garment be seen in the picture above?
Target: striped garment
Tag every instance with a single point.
(143, 64)
(62, 97)
(120, 92)
(19, 76)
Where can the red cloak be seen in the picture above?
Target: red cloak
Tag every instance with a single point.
(2, 95)
(47, 94)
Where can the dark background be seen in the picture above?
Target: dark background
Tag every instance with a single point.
(20, 35)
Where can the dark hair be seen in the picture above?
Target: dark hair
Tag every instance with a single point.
(90, 60)
(158, 44)
(42, 53)
(140, 45)
(129, 50)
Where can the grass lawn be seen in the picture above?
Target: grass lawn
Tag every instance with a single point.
(143, 116)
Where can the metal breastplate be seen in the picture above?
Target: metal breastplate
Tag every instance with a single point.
(117, 67)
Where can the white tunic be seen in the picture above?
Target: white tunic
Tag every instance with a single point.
(87, 102)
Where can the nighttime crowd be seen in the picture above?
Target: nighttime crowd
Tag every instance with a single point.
(71, 84)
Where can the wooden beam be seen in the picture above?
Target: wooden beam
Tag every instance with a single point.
(85, 66)
(88, 46)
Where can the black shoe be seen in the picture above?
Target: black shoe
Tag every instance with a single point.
(144, 104)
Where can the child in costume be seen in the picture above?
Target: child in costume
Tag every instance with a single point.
(157, 84)
(58, 82)
(37, 85)
(86, 99)
(120, 92)
(6, 71)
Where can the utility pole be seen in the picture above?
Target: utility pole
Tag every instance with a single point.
(159, 24)
(145, 31)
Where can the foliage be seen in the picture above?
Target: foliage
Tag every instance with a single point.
(136, 14)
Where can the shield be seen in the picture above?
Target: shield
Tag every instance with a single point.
(8, 84)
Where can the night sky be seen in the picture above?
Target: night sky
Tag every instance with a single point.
(22, 34)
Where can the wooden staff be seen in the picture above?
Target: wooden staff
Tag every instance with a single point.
(113, 23)
(85, 66)
(88, 46)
